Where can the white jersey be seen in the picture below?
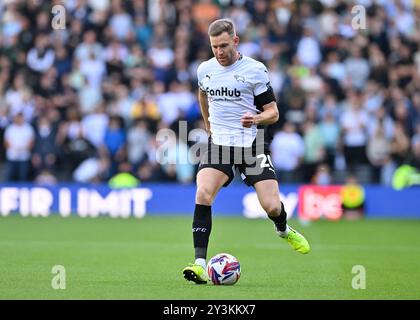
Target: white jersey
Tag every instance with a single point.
(230, 91)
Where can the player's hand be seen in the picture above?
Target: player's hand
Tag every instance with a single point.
(247, 120)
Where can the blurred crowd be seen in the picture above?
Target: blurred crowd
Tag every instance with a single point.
(86, 101)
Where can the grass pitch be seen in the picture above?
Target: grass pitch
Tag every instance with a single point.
(109, 258)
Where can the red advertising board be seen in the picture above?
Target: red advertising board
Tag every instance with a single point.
(316, 202)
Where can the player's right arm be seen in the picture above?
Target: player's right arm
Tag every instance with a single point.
(202, 77)
(204, 107)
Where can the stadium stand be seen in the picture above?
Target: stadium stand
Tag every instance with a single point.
(86, 98)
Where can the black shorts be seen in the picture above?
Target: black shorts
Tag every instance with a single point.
(254, 164)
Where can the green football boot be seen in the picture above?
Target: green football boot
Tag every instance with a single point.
(296, 240)
(196, 273)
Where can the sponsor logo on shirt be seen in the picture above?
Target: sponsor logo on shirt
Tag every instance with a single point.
(223, 91)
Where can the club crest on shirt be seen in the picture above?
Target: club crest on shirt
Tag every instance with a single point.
(239, 78)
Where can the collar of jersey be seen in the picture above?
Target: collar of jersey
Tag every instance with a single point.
(233, 64)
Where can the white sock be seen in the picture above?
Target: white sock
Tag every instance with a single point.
(201, 262)
(284, 233)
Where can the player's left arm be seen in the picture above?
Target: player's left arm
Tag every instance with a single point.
(264, 100)
(270, 115)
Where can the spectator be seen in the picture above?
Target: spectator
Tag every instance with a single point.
(121, 23)
(378, 153)
(161, 56)
(146, 107)
(308, 50)
(381, 119)
(357, 68)
(124, 178)
(4, 121)
(353, 199)
(354, 121)
(94, 125)
(19, 140)
(93, 69)
(416, 137)
(114, 144)
(204, 12)
(41, 56)
(46, 177)
(415, 111)
(374, 97)
(143, 32)
(334, 68)
(294, 102)
(400, 145)
(288, 150)
(123, 103)
(115, 54)
(330, 134)
(415, 158)
(314, 153)
(138, 138)
(45, 151)
(88, 47)
(329, 105)
(20, 98)
(74, 147)
(173, 156)
(92, 170)
(322, 175)
(62, 61)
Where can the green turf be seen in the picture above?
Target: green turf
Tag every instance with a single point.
(109, 258)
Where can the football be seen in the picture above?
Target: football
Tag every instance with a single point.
(224, 269)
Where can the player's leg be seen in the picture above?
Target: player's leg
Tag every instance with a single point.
(269, 197)
(209, 182)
